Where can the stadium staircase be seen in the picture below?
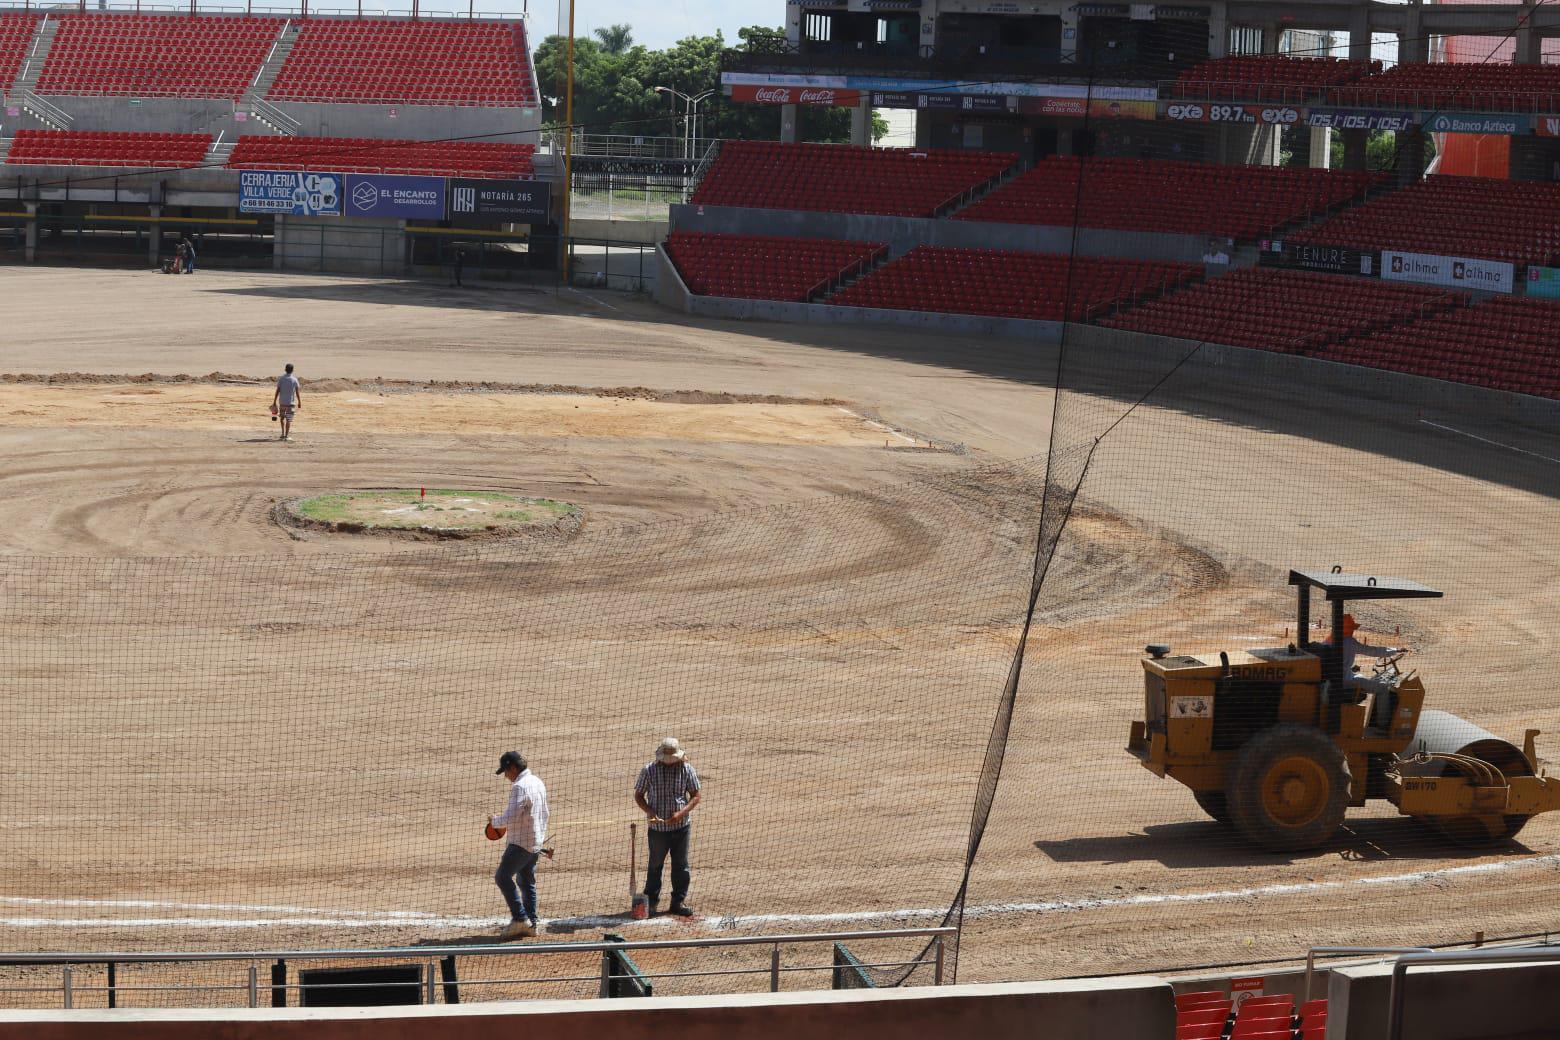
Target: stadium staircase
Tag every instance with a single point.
(23, 93)
(254, 102)
(217, 155)
(980, 191)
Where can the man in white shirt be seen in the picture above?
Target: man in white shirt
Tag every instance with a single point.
(524, 825)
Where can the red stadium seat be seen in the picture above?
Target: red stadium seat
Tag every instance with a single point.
(1212, 996)
(371, 155)
(1168, 196)
(836, 178)
(761, 267)
(1279, 78)
(1504, 343)
(1456, 86)
(1008, 284)
(1516, 221)
(397, 61)
(107, 148)
(1285, 311)
(163, 55)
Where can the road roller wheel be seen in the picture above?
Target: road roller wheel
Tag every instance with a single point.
(1289, 788)
(1214, 804)
(1477, 830)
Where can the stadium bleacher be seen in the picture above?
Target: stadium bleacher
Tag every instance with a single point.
(904, 182)
(1208, 1016)
(1516, 221)
(366, 155)
(1505, 342)
(1271, 77)
(760, 267)
(16, 34)
(1008, 284)
(1290, 312)
(107, 148)
(384, 61)
(190, 56)
(1168, 196)
(1457, 86)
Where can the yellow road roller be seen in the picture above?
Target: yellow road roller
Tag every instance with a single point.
(1280, 742)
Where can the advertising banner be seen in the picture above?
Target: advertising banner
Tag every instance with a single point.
(1097, 108)
(1201, 112)
(1454, 272)
(411, 198)
(1461, 123)
(291, 192)
(520, 202)
(1547, 126)
(1333, 259)
(1544, 281)
(779, 95)
(1359, 119)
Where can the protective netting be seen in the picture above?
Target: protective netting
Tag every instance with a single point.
(203, 752)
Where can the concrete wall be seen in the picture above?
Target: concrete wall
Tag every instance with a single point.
(901, 234)
(1446, 1003)
(643, 232)
(1115, 1009)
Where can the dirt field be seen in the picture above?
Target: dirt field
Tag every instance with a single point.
(288, 736)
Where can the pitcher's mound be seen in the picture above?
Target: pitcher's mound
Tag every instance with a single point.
(431, 513)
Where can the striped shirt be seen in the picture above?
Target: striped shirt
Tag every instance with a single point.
(666, 789)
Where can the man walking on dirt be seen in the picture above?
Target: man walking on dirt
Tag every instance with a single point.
(524, 825)
(668, 791)
(287, 400)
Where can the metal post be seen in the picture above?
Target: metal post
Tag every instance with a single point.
(66, 985)
(606, 975)
(774, 968)
(113, 1000)
(937, 961)
(254, 986)
(432, 997)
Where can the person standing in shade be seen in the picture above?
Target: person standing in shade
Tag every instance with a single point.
(524, 823)
(668, 791)
(189, 255)
(287, 400)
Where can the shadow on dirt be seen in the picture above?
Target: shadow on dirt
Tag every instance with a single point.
(1203, 844)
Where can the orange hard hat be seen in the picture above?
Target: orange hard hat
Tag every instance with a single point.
(1349, 625)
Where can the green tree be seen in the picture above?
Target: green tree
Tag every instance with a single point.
(1381, 150)
(614, 91)
(615, 39)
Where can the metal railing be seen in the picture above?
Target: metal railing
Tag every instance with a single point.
(1520, 955)
(1341, 951)
(70, 988)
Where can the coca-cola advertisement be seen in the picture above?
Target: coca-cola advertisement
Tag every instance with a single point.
(827, 96)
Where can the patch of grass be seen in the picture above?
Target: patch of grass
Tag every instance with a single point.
(410, 508)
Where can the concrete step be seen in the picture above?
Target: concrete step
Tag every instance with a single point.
(286, 37)
(37, 54)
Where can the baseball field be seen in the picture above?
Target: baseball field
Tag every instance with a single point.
(802, 551)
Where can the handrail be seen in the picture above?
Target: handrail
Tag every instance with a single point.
(379, 953)
(1310, 956)
(1520, 955)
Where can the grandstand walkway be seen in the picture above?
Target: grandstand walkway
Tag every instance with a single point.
(254, 101)
(37, 54)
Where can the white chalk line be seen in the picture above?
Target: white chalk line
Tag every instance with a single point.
(875, 424)
(1486, 440)
(300, 916)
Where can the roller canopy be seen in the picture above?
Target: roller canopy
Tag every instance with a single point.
(1362, 586)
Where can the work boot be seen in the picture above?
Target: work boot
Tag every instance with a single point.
(518, 930)
(680, 910)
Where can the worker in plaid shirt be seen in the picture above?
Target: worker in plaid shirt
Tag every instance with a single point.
(668, 791)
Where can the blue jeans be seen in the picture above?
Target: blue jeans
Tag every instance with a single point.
(662, 842)
(516, 878)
